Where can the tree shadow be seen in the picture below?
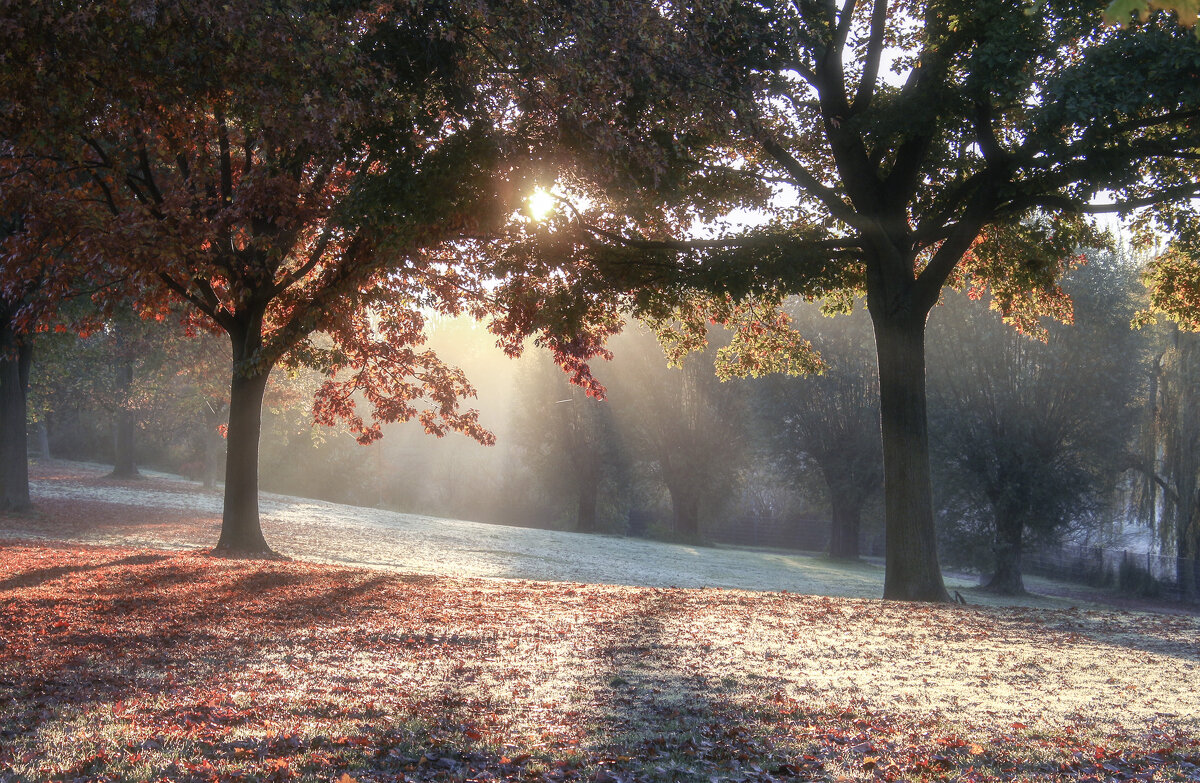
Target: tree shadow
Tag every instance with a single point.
(41, 575)
(159, 636)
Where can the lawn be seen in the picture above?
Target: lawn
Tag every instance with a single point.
(78, 503)
(136, 664)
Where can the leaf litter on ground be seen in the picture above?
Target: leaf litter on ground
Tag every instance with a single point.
(122, 663)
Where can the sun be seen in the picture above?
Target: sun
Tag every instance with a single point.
(540, 204)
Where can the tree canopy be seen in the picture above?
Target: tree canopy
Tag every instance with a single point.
(920, 145)
(295, 173)
(313, 179)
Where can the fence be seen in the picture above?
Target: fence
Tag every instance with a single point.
(1134, 572)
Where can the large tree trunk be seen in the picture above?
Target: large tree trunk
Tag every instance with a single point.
(241, 530)
(124, 423)
(16, 355)
(844, 527)
(912, 571)
(1006, 579)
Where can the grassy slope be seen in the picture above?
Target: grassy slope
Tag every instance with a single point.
(78, 503)
(138, 664)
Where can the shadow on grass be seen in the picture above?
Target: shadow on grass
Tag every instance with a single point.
(39, 576)
(190, 658)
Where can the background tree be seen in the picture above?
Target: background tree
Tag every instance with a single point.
(682, 424)
(566, 440)
(16, 355)
(1168, 454)
(1120, 11)
(1033, 435)
(39, 276)
(124, 421)
(916, 140)
(831, 420)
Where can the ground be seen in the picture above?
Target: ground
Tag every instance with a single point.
(77, 502)
(132, 663)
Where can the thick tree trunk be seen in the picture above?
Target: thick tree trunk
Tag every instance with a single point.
(124, 423)
(912, 571)
(843, 530)
(585, 519)
(1006, 579)
(16, 356)
(241, 531)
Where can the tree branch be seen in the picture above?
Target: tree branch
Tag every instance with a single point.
(803, 179)
(217, 313)
(874, 54)
(682, 245)
(314, 258)
(224, 161)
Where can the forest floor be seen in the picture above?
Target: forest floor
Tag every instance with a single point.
(119, 663)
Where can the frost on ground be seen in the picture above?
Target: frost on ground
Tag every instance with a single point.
(77, 502)
(120, 664)
(316, 530)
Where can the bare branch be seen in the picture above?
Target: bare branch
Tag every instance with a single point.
(314, 258)
(803, 179)
(842, 32)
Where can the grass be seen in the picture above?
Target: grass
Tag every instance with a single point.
(131, 664)
(77, 503)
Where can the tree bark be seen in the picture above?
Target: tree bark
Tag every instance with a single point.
(844, 527)
(1006, 579)
(16, 356)
(241, 530)
(912, 570)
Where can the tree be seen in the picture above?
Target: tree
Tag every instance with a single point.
(1119, 11)
(832, 420)
(918, 139)
(286, 171)
(37, 277)
(124, 355)
(682, 424)
(1034, 434)
(567, 440)
(16, 355)
(1168, 456)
